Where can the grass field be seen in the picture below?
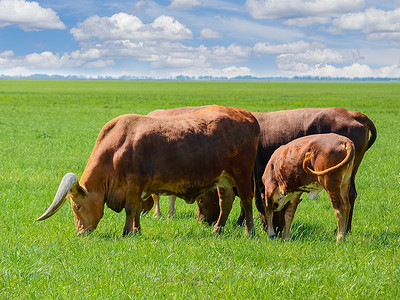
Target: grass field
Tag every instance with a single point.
(48, 128)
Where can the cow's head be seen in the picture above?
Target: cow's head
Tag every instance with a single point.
(87, 206)
(209, 209)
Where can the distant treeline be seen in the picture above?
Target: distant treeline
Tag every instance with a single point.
(183, 78)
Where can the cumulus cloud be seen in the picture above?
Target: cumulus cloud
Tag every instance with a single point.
(375, 23)
(184, 4)
(6, 58)
(210, 34)
(123, 26)
(160, 55)
(355, 70)
(175, 55)
(312, 57)
(352, 71)
(29, 16)
(300, 9)
(48, 60)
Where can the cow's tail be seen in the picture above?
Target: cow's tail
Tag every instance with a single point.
(309, 155)
(367, 122)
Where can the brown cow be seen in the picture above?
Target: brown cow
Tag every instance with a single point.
(280, 127)
(288, 174)
(188, 155)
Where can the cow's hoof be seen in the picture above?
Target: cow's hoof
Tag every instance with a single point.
(272, 236)
(250, 232)
(218, 230)
(127, 233)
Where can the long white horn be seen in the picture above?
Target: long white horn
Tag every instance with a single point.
(66, 184)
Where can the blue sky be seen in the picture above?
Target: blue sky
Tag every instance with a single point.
(357, 38)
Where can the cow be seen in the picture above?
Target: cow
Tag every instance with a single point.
(280, 127)
(188, 155)
(309, 164)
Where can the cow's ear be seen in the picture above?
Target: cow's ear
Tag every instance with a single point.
(79, 190)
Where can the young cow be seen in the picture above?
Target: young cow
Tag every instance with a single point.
(309, 164)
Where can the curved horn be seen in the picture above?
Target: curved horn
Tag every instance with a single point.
(66, 184)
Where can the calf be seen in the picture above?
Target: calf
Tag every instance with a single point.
(309, 164)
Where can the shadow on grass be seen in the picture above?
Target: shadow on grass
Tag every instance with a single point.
(310, 232)
(386, 239)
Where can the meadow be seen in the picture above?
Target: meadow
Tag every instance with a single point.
(48, 128)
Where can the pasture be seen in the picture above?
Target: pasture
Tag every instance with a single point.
(48, 128)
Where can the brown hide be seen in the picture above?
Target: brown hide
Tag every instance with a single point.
(209, 200)
(288, 174)
(188, 155)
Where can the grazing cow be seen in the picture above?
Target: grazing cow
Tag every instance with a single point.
(188, 155)
(280, 127)
(310, 164)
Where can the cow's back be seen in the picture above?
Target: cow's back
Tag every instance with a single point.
(182, 155)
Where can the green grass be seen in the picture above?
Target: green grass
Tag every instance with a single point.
(48, 128)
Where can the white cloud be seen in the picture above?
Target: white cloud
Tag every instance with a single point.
(354, 70)
(391, 71)
(160, 55)
(47, 60)
(30, 16)
(375, 23)
(123, 26)
(184, 4)
(312, 57)
(7, 53)
(292, 9)
(232, 53)
(229, 72)
(208, 33)
(294, 47)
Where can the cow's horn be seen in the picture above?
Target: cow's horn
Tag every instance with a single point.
(66, 184)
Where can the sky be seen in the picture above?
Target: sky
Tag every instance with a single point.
(164, 39)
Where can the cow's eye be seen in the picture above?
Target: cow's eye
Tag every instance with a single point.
(77, 206)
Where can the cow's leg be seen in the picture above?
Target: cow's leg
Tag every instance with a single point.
(157, 211)
(136, 222)
(171, 212)
(132, 223)
(241, 218)
(352, 199)
(289, 215)
(246, 200)
(341, 205)
(226, 197)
